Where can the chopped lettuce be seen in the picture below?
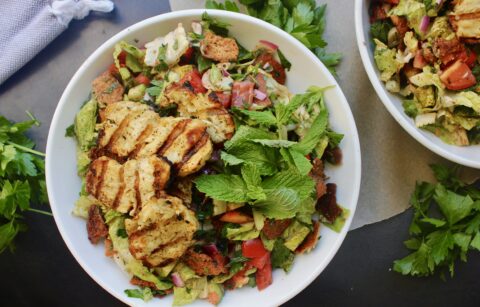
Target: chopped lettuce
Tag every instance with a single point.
(295, 234)
(385, 58)
(411, 42)
(339, 221)
(164, 271)
(185, 272)
(468, 99)
(125, 259)
(425, 95)
(82, 205)
(246, 231)
(441, 29)
(133, 59)
(194, 288)
(85, 123)
(83, 161)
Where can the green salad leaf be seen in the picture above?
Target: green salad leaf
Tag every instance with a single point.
(304, 20)
(445, 225)
(22, 179)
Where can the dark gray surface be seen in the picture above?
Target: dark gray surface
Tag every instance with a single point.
(43, 272)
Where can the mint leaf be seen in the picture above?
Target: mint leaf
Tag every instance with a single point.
(245, 134)
(261, 117)
(311, 139)
(275, 143)
(224, 187)
(454, 206)
(229, 159)
(290, 179)
(252, 178)
(280, 203)
(301, 162)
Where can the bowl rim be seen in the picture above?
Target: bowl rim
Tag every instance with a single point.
(411, 129)
(356, 178)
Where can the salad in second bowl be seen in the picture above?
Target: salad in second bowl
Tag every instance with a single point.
(427, 52)
(201, 171)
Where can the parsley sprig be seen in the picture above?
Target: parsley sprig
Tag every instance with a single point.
(445, 225)
(303, 19)
(22, 178)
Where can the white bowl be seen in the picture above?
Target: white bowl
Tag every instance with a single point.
(64, 185)
(469, 156)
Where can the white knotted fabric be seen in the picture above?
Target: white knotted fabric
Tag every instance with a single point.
(27, 26)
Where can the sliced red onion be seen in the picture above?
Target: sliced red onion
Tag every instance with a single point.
(424, 24)
(177, 280)
(269, 44)
(210, 249)
(259, 95)
(225, 73)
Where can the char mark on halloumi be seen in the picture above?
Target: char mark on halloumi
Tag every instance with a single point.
(132, 130)
(162, 231)
(125, 187)
(221, 126)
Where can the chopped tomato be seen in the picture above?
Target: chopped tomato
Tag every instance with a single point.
(458, 77)
(253, 248)
(242, 94)
(213, 298)
(122, 57)
(113, 70)
(221, 97)
(419, 61)
(391, 1)
(267, 61)
(142, 79)
(236, 217)
(193, 80)
(263, 276)
(471, 58)
(259, 262)
(187, 56)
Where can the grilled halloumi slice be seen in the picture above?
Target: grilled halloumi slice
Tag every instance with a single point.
(127, 187)
(162, 231)
(132, 130)
(465, 19)
(220, 123)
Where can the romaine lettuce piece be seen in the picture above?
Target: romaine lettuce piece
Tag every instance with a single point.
(295, 234)
(246, 231)
(125, 259)
(82, 205)
(468, 99)
(441, 29)
(84, 125)
(385, 58)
